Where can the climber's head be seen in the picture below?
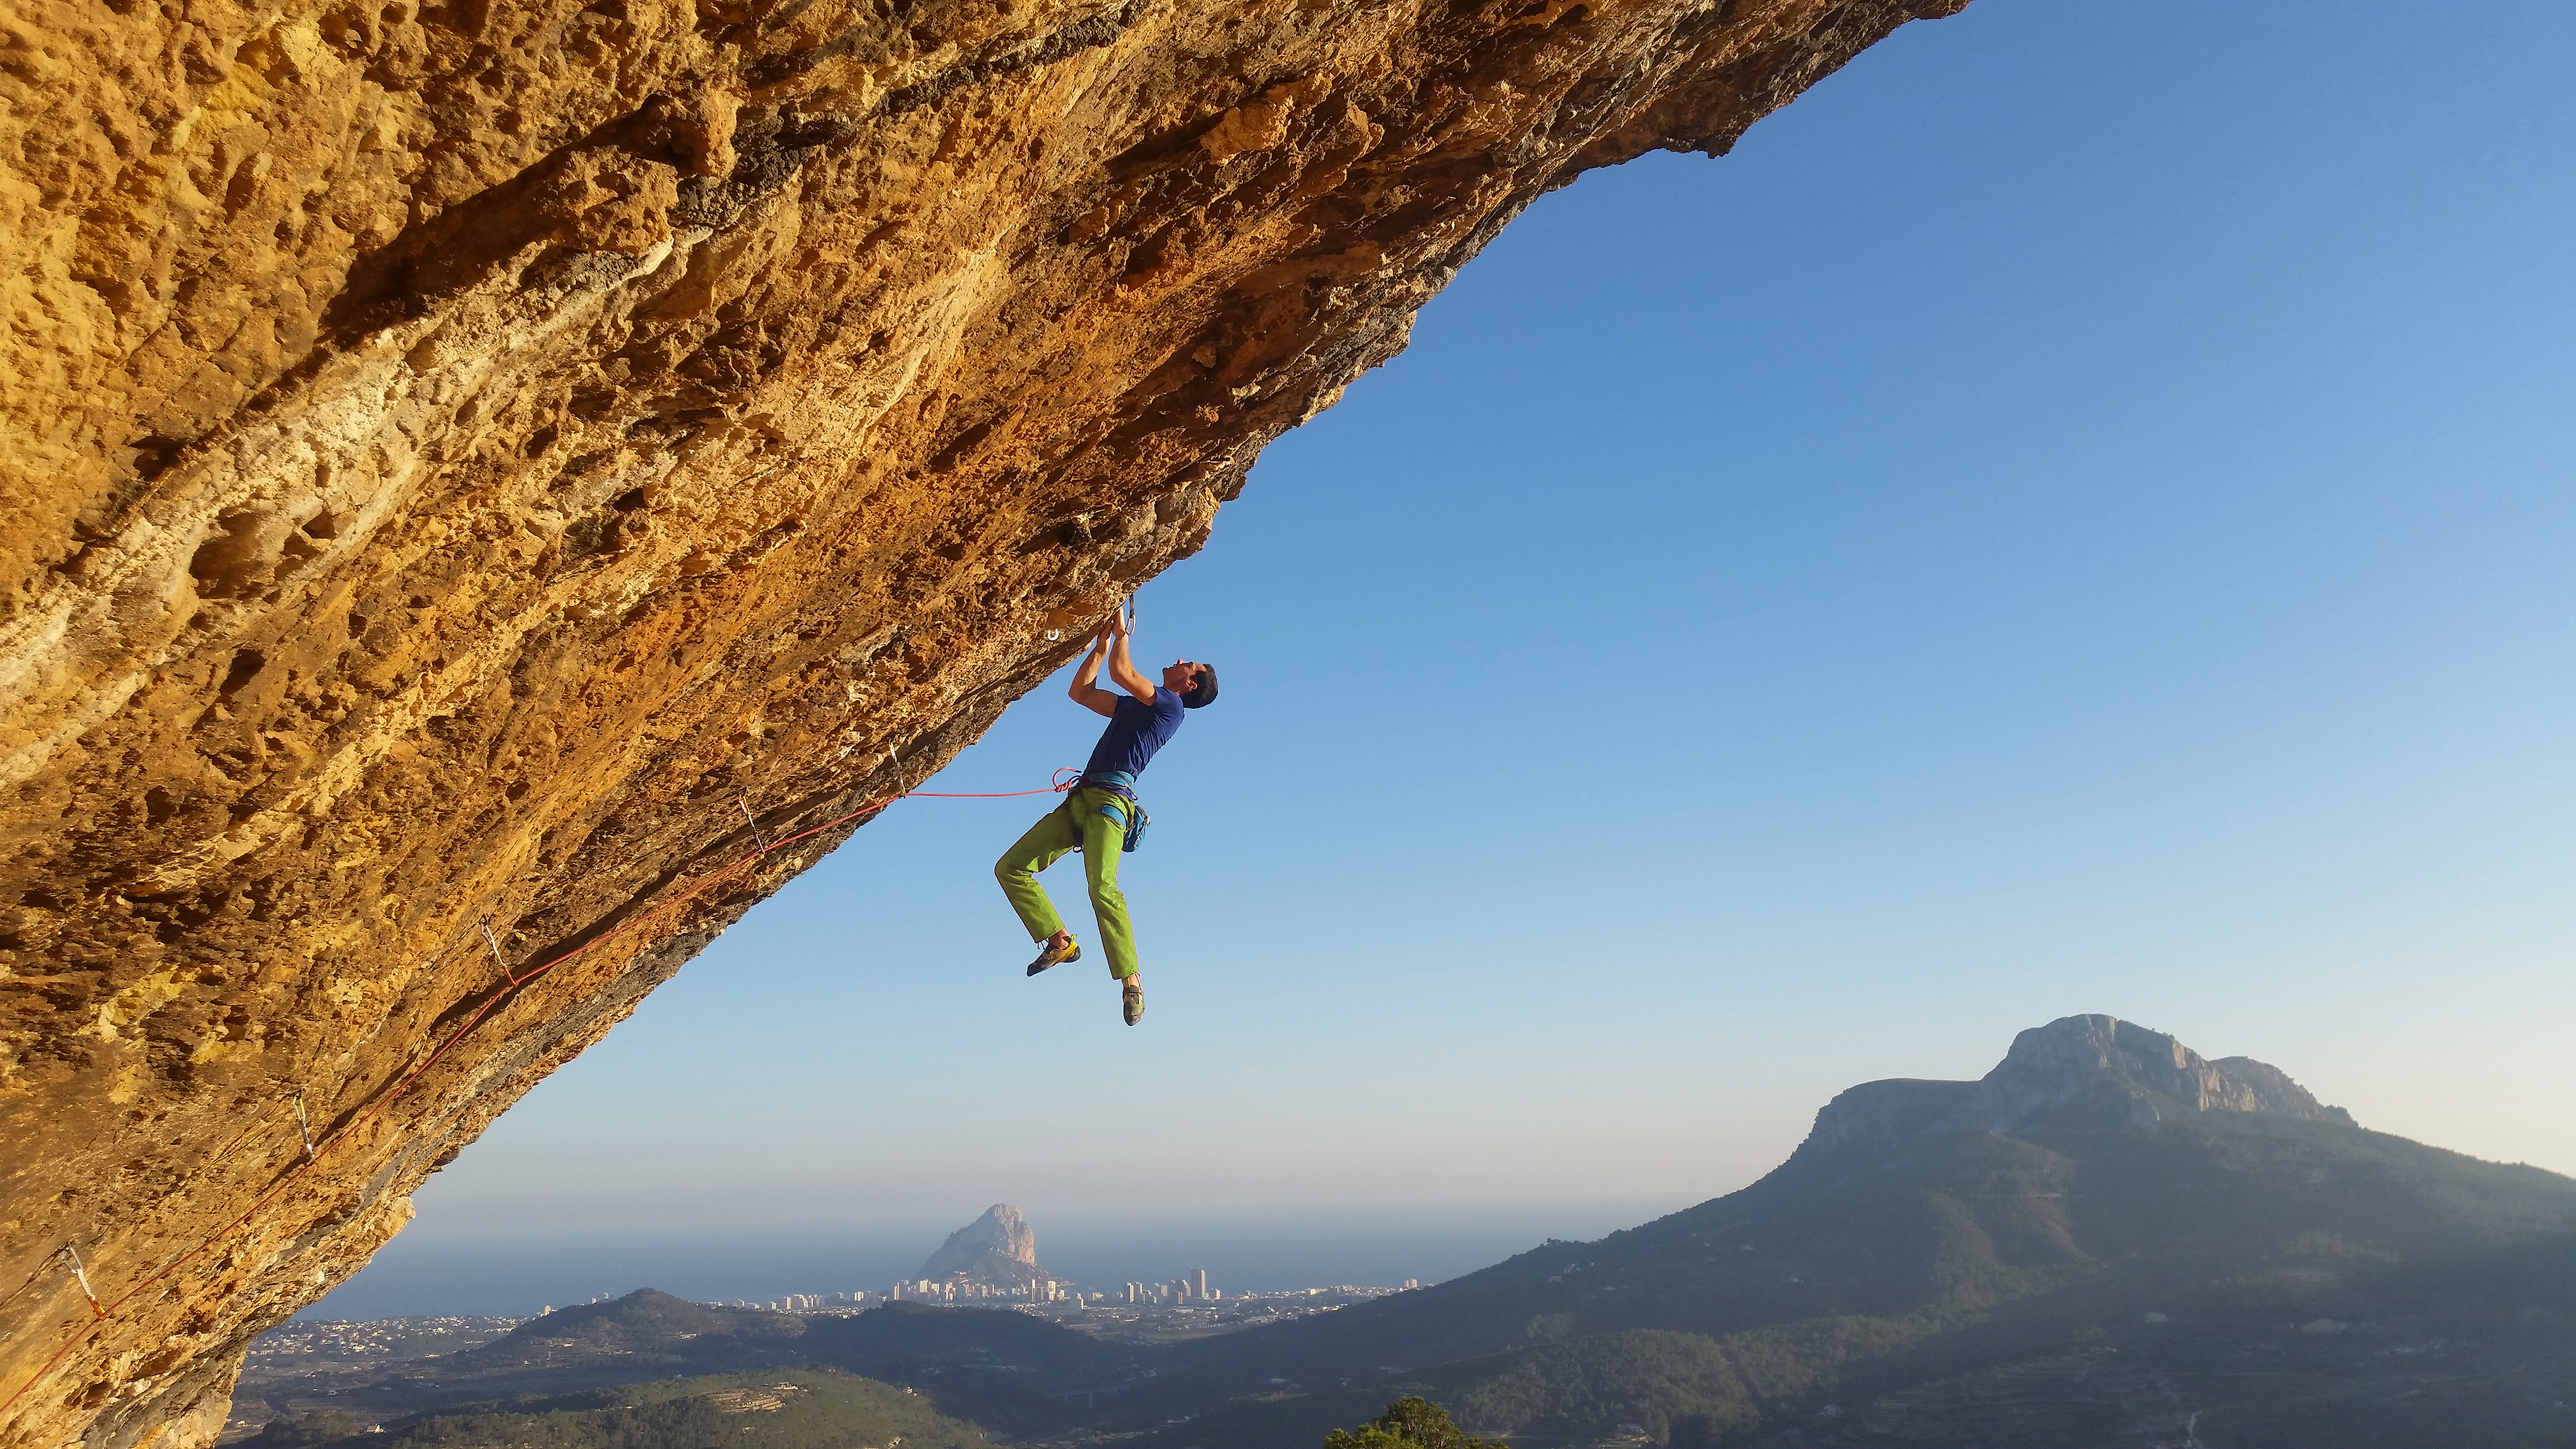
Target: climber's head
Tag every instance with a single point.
(1194, 682)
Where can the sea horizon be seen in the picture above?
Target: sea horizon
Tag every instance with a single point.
(499, 1271)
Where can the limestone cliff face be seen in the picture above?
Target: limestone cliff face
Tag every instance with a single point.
(462, 456)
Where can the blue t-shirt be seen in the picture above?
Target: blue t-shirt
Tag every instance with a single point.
(1136, 730)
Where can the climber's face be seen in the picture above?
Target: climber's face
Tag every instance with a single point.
(1182, 675)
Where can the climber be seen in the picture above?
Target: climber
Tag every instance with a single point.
(1100, 817)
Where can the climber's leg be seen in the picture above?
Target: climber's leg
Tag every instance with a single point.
(1104, 836)
(1017, 870)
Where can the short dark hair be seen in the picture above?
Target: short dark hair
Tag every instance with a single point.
(1202, 691)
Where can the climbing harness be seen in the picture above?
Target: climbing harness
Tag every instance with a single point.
(1064, 781)
(1122, 806)
(1131, 832)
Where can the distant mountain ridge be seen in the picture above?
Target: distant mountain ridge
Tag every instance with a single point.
(2100, 1239)
(2113, 1072)
(999, 1249)
(1000, 1369)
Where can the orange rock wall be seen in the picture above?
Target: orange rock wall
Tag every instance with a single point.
(460, 456)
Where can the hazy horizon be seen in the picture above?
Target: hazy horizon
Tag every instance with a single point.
(711, 1249)
(427, 1271)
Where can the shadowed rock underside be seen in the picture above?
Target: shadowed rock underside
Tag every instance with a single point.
(460, 458)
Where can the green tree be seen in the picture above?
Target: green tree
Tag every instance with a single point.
(1409, 1423)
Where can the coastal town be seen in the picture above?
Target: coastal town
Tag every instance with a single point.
(1185, 1307)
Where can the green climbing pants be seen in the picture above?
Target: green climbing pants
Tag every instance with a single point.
(1079, 821)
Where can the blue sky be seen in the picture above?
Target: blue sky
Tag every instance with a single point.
(2075, 514)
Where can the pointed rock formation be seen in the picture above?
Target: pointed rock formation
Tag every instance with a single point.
(998, 1249)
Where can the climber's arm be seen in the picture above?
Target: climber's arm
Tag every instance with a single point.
(1122, 669)
(1086, 690)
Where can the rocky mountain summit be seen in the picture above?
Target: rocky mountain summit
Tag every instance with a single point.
(2095, 1069)
(998, 1249)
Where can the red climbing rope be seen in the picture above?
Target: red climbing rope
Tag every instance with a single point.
(1065, 779)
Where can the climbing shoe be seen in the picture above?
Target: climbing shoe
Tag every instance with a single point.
(1051, 954)
(1131, 1000)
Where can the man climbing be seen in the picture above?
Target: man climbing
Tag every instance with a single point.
(1100, 816)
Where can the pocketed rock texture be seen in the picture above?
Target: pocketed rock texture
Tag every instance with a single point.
(461, 458)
